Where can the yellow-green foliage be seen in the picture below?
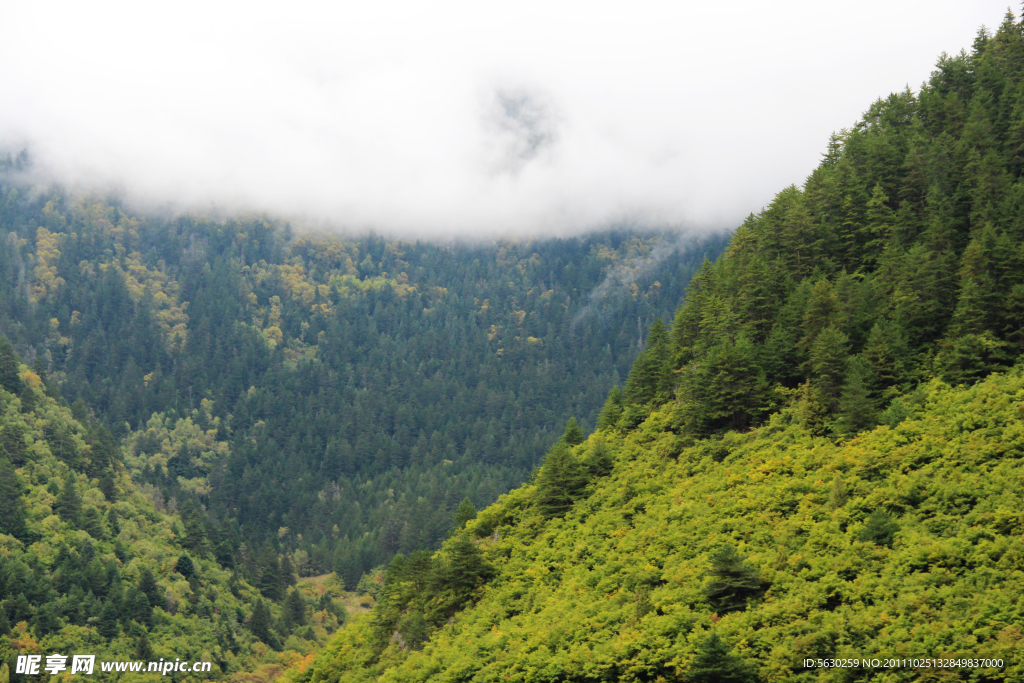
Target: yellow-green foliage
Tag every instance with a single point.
(204, 620)
(615, 591)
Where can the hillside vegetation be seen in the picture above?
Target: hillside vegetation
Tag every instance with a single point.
(88, 565)
(819, 458)
(330, 398)
(770, 541)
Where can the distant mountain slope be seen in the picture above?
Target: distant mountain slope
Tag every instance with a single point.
(739, 509)
(88, 565)
(356, 389)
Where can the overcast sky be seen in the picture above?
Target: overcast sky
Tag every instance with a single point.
(440, 118)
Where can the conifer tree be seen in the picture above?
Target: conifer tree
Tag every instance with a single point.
(560, 482)
(650, 377)
(612, 410)
(857, 411)
(464, 513)
(715, 663)
(143, 649)
(828, 364)
(879, 528)
(148, 586)
(573, 433)
(260, 623)
(185, 566)
(294, 609)
(108, 626)
(12, 506)
(822, 311)
(464, 571)
(733, 582)
(268, 578)
(69, 502)
(195, 538)
(288, 577)
(10, 377)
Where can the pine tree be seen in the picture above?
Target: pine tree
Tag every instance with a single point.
(464, 513)
(573, 433)
(715, 663)
(136, 607)
(294, 609)
(92, 523)
(828, 364)
(259, 624)
(185, 566)
(69, 502)
(148, 586)
(12, 506)
(879, 528)
(465, 571)
(10, 375)
(560, 482)
(288, 577)
(733, 582)
(195, 538)
(612, 410)
(822, 312)
(857, 410)
(268, 577)
(108, 626)
(650, 377)
(143, 650)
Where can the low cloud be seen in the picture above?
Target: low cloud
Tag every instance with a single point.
(449, 118)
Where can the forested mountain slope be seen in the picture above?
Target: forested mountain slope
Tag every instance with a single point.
(89, 566)
(814, 461)
(738, 557)
(332, 398)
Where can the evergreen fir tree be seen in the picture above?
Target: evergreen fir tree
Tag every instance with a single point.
(464, 572)
(573, 434)
(195, 539)
(464, 513)
(650, 377)
(857, 411)
(268, 579)
(185, 566)
(92, 523)
(143, 650)
(10, 376)
(612, 410)
(715, 663)
(108, 626)
(288, 577)
(148, 586)
(879, 528)
(260, 623)
(12, 506)
(828, 364)
(733, 582)
(560, 482)
(294, 609)
(69, 502)
(599, 461)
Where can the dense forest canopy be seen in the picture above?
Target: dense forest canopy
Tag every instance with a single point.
(335, 397)
(88, 564)
(818, 458)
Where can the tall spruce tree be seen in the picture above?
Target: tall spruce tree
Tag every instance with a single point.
(561, 481)
(69, 502)
(12, 506)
